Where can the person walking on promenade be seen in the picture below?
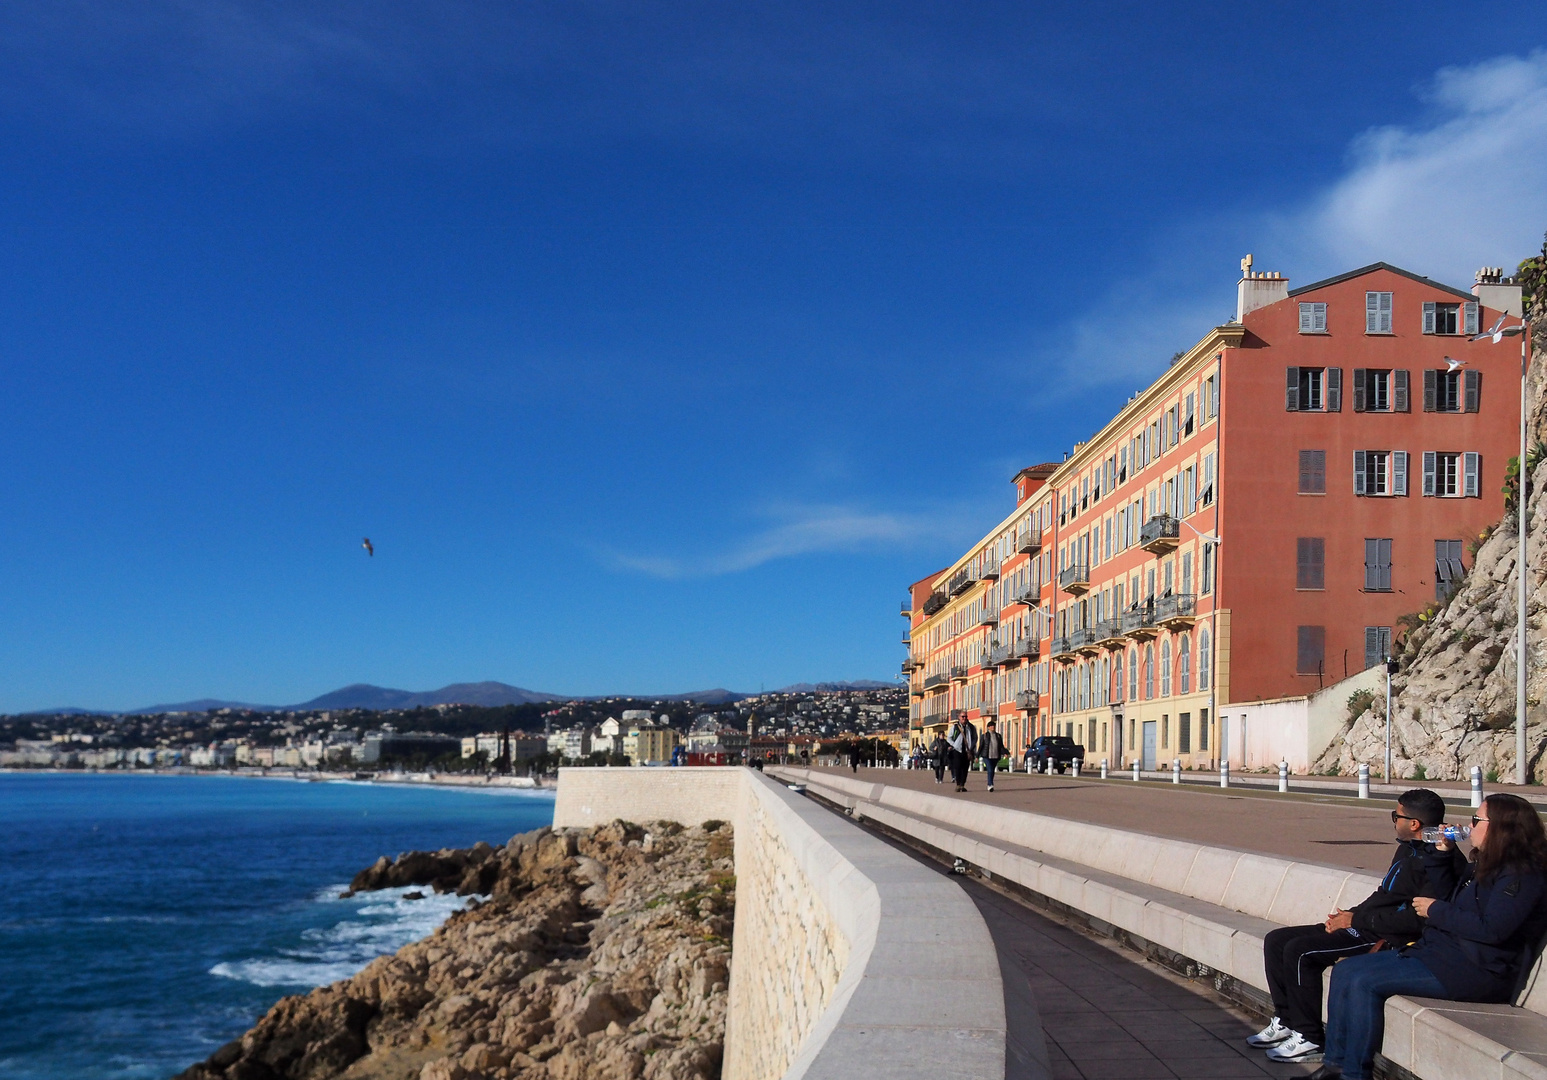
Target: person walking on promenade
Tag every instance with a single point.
(854, 757)
(991, 749)
(963, 740)
(1479, 942)
(937, 754)
(1296, 956)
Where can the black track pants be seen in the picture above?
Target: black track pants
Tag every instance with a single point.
(1295, 957)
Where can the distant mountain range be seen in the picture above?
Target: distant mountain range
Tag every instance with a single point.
(487, 694)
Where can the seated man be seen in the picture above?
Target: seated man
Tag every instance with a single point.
(1295, 956)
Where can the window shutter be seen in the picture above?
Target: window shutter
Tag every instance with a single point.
(1428, 472)
(1472, 464)
(1431, 380)
(1474, 390)
(1469, 310)
(1292, 389)
(1385, 565)
(1383, 323)
(1399, 402)
(1334, 395)
(1359, 389)
(1428, 316)
(1319, 318)
(1358, 472)
(1371, 312)
(1371, 564)
(1305, 318)
(1372, 653)
(1399, 472)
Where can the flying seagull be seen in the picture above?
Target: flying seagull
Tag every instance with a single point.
(1452, 364)
(369, 547)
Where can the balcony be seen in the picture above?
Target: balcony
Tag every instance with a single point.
(1083, 640)
(935, 602)
(989, 618)
(961, 581)
(1074, 580)
(1176, 612)
(990, 572)
(1027, 597)
(1160, 534)
(999, 656)
(907, 609)
(907, 639)
(1062, 649)
(936, 682)
(1025, 649)
(958, 673)
(1029, 542)
(1140, 624)
(1109, 634)
(1026, 699)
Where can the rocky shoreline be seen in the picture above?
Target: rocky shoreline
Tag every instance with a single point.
(584, 954)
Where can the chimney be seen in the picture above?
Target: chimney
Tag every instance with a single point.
(1258, 289)
(1494, 290)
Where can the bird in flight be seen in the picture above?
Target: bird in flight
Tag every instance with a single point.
(370, 549)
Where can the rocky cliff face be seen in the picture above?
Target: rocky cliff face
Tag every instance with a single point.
(1453, 704)
(599, 954)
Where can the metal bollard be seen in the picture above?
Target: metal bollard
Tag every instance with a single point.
(1364, 781)
(1176, 770)
(1135, 770)
(1077, 764)
(1047, 766)
(1103, 768)
(1283, 777)
(1224, 774)
(1477, 785)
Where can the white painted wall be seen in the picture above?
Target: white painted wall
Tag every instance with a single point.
(1294, 729)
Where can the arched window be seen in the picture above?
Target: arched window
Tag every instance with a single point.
(1204, 656)
(1184, 664)
(1133, 674)
(1149, 671)
(1165, 668)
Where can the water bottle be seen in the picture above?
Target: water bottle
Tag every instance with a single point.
(1452, 833)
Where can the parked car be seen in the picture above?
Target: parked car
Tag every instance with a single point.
(1061, 750)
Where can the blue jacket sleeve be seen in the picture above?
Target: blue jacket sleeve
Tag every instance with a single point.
(1444, 869)
(1501, 914)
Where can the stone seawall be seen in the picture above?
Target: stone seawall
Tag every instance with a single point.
(840, 941)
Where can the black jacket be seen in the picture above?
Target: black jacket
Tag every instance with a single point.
(1482, 941)
(990, 746)
(1388, 911)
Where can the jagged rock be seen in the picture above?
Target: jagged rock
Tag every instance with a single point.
(593, 960)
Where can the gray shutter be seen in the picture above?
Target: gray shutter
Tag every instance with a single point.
(1359, 388)
(1383, 323)
(1372, 653)
(1371, 564)
(1474, 390)
(1292, 389)
(1385, 565)
(1319, 318)
(1472, 465)
(1371, 312)
(1305, 318)
(1469, 311)
(1430, 389)
(1399, 472)
(1428, 472)
(1334, 394)
(1399, 402)
(1428, 316)
(1358, 472)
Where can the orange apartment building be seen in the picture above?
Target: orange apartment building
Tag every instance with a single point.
(1250, 526)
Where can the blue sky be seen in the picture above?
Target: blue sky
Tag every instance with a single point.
(655, 349)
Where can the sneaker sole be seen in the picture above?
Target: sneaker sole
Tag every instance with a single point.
(1311, 1057)
(1265, 1044)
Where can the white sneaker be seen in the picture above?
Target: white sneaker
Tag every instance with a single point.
(1295, 1048)
(1271, 1035)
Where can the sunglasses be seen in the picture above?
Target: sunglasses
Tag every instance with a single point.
(1476, 820)
(1397, 815)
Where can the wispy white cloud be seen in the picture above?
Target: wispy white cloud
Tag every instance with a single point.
(800, 530)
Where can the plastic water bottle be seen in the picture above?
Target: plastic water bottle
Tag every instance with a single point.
(1447, 832)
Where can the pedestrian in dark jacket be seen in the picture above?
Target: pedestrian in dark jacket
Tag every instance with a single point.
(990, 749)
(1478, 944)
(937, 752)
(963, 742)
(1294, 957)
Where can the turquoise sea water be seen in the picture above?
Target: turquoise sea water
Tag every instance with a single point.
(146, 920)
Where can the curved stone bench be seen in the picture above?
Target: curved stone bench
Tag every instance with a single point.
(849, 959)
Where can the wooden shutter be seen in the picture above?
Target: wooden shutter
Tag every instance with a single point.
(1428, 316)
(1358, 472)
(1472, 465)
(1333, 397)
(1399, 399)
(1371, 312)
(1428, 472)
(1371, 559)
(1469, 312)
(1431, 380)
(1399, 472)
(1292, 389)
(1305, 318)
(1310, 649)
(1372, 653)
(1474, 390)
(1384, 564)
(1359, 389)
(1319, 318)
(1383, 322)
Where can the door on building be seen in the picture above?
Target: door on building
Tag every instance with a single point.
(1149, 745)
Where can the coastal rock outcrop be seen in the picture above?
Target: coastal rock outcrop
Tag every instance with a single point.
(586, 954)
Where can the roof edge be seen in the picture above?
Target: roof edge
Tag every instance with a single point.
(1381, 266)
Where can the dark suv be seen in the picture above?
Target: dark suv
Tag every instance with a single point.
(1060, 749)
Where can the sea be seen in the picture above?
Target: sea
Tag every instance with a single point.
(146, 920)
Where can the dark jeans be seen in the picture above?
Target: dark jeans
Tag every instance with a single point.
(989, 767)
(1356, 1018)
(1295, 957)
(959, 763)
(939, 766)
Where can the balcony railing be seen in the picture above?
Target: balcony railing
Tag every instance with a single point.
(1026, 699)
(1062, 647)
(1027, 648)
(1083, 638)
(1160, 534)
(1029, 541)
(1074, 579)
(907, 609)
(933, 681)
(990, 572)
(935, 602)
(958, 673)
(1139, 623)
(960, 582)
(988, 618)
(999, 655)
(1109, 631)
(1027, 597)
(1176, 609)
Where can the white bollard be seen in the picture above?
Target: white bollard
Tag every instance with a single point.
(1477, 785)
(1364, 781)
(1135, 770)
(1048, 766)
(1283, 777)
(1224, 774)
(1077, 764)
(1176, 770)
(1103, 768)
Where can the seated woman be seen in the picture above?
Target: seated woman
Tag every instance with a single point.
(1477, 945)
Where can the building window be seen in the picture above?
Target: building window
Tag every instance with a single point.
(1310, 562)
(1184, 733)
(1377, 645)
(1149, 672)
(1206, 585)
(1206, 495)
(1452, 475)
(1448, 570)
(1377, 564)
(1165, 668)
(1310, 649)
(1313, 318)
(1377, 313)
(1203, 729)
(1184, 665)
(1313, 389)
(1380, 391)
(1441, 318)
(1313, 472)
(1380, 472)
(1452, 391)
(1133, 674)
(1205, 658)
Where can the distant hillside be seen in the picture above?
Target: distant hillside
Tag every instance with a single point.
(834, 687)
